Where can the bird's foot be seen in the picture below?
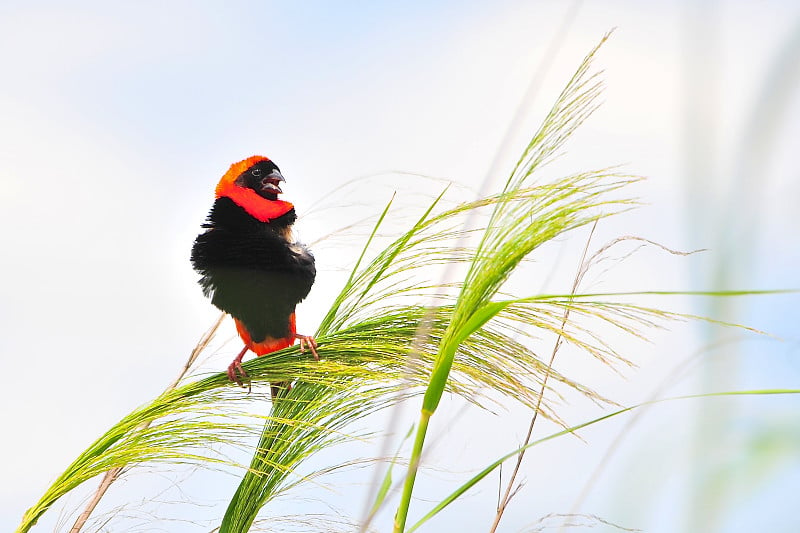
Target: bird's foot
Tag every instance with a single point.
(236, 373)
(310, 342)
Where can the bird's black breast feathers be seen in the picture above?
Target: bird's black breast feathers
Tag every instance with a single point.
(251, 269)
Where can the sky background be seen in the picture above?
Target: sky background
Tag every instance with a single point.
(119, 119)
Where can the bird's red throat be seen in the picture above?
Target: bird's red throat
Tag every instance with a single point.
(257, 206)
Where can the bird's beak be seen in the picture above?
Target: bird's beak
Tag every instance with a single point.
(271, 181)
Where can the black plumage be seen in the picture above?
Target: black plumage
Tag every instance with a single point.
(253, 270)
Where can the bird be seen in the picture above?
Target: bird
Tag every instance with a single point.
(251, 265)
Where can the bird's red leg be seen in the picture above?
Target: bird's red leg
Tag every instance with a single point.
(311, 342)
(235, 371)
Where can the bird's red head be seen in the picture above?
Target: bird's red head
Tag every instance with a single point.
(253, 184)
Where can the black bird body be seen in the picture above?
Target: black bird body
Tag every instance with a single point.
(249, 262)
(253, 270)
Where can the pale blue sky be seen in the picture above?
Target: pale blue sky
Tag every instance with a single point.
(118, 120)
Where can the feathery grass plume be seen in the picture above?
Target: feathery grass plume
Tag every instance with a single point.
(514, 230)
(363, 314)
(365, 361)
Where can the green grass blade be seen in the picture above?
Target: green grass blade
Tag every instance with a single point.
(514, 230)
(493, 466)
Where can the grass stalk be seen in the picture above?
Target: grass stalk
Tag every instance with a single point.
(112, 475)
(474, 480)
(510, 490)
(408, 484)
(514, 230)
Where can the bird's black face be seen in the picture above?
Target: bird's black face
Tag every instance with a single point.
(263, 177)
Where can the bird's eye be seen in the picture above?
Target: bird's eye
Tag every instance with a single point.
(256, 172)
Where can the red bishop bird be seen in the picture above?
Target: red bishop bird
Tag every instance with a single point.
(250, 264)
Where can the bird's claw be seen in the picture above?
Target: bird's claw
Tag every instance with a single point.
(238, 375)
(311, 342)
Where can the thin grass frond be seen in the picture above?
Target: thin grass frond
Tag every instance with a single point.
(514, 230)
(496, 464)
